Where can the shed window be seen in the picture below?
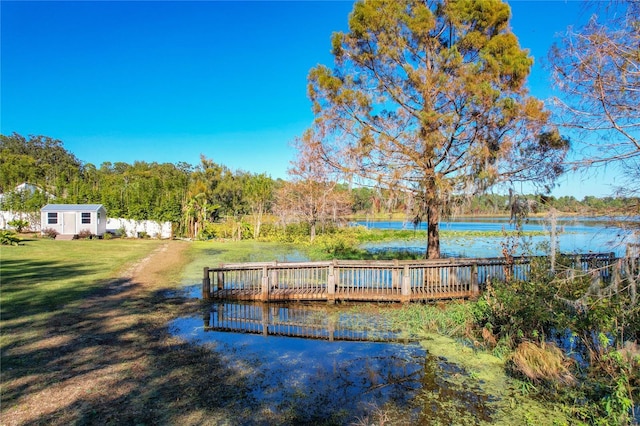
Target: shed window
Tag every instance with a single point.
(52, 218)
(86, 217)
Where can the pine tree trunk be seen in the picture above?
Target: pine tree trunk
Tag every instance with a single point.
(433, 230)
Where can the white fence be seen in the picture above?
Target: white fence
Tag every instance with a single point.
(131, 228)
(136, 228)
(32, 218)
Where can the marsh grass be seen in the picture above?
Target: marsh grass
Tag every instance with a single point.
(543, 362)
(452, 318)
(347, 242)
(377, 235)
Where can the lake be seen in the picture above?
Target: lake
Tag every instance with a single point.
(574, 235)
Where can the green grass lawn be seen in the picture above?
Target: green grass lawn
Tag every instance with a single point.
(42, 275)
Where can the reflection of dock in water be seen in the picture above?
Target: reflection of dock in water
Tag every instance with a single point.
(300, 321)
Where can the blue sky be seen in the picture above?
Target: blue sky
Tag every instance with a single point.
(168, 81)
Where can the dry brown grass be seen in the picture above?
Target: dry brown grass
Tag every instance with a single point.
(543, 362)
(489, 339)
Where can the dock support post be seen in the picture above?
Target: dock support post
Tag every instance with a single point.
(274, 276)
(475, 287)
(395, 276)
(331, 285)
(331, 328)
(406, 285)
(617, 269)
(265, 284)
(611, 266)
(206, 319)
(220, 280)
(206, 284)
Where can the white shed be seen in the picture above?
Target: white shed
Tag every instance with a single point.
(71, 219)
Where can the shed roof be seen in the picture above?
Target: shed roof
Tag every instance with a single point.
(72, 207)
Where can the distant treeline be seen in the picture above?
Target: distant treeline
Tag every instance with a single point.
(194, 196)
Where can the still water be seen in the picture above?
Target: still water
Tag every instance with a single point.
(574, 235)
(332, 365)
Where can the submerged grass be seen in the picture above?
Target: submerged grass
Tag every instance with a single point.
(472, 374)
(507, 402)
(214, 253)
(450, 318)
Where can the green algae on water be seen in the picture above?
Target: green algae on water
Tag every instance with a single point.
(499, 399)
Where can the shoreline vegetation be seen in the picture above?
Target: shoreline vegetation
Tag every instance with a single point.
(90, 339)
(208, 196)
(407, 234)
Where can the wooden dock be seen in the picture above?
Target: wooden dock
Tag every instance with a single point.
(389, 281)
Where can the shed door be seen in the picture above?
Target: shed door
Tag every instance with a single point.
(69, 223)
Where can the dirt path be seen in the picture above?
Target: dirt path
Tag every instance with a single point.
(110, 359)
(150, 271)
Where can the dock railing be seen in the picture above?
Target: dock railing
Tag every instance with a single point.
(357, 280)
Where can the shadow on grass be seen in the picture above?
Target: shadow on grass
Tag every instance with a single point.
(115, 349)
(19, 273)
(26, 286)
